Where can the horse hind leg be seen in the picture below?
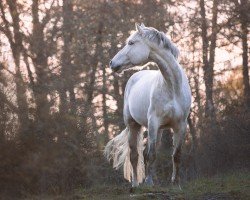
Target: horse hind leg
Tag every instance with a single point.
(178, 138)
(134, 129)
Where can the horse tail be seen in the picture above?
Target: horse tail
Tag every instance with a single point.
(118, 150)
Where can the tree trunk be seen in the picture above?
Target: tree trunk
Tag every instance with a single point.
(244, 33)
(3, 120)
(16, 47)
(39, 59)
(92, 77)
(208, 64)
(118, 97)
(67, 68)
(104, 102)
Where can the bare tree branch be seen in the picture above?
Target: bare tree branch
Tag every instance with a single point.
(6, 30)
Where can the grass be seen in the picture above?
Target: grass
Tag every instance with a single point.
(234, 186)
(227, 186)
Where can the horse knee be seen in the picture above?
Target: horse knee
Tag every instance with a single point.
(133, 152)
(176, 159)
(177, 156)
(151, 155)
(134, 155)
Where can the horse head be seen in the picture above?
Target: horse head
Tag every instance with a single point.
(135, 52)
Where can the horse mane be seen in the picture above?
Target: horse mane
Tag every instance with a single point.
(159, 38)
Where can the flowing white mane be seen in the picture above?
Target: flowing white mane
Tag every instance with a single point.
(160, 38)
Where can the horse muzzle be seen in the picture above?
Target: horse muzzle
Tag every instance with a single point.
(114, 68)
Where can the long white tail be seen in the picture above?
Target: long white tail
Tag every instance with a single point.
(118, 150)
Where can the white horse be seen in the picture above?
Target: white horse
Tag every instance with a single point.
(155, 99)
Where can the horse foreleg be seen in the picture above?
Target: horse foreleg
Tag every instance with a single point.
(178, 138)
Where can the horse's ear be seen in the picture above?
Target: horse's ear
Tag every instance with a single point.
(142, 25)
(138, 28)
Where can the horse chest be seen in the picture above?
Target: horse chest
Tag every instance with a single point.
(165, 109)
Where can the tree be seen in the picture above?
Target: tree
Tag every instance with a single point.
(15, 40)
(208, 55)
(242, 8)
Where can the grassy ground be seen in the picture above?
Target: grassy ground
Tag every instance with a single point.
(226, 187)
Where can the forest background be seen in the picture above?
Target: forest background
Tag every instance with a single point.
(60, 103)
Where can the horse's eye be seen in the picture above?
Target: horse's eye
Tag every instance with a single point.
(130, 43)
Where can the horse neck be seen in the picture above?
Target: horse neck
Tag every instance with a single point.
(170, 69)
